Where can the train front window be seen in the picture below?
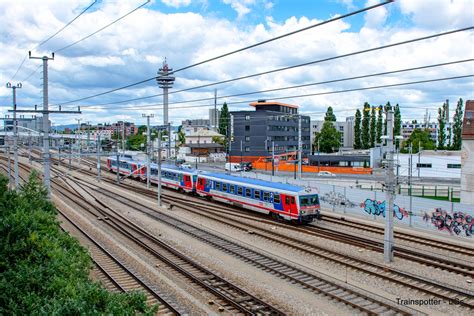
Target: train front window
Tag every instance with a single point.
(309, 200)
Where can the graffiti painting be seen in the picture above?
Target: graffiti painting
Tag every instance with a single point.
(377, 208)
(454, 223)
(337, 199)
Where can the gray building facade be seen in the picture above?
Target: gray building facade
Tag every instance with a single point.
(254, 131)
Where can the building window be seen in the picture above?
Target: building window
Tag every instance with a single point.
(454, 166)
(247, 128)
(247, 149)
(423, 165)
(247, 138)
(247, 117)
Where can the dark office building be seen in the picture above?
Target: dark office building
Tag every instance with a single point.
(254, 131)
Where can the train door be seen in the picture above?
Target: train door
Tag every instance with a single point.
(134, 169)
(289, 204)
(187, 182)
(201, 183)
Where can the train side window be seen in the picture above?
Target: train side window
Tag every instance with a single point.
(256, 194)
(276, 198)
(266, 196)
(218, 186)
(224, 187)
(239, 191)
(187, 178)
(232, 189)
(287, 200)
(248, 192)
(292, 200)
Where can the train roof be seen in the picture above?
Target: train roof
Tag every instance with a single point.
(257, 182)
(174, 167)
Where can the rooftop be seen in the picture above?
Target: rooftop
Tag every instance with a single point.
(263, 102)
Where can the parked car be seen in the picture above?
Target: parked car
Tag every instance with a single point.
(325, 174)
(246, 166)
(186, 166)
(232, 167)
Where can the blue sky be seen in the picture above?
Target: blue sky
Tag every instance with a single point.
(188, 31)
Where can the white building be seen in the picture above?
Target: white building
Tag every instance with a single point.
(430, 164)
(202, 136)
(346, 130)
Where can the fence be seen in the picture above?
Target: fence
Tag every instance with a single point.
(444, 217)
(437, 192)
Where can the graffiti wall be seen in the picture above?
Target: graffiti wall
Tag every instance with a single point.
(440, 217)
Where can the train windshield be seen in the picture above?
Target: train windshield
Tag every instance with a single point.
(309, 200)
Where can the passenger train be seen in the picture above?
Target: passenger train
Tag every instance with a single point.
(285, 201)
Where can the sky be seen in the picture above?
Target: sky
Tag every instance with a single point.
(186, 32)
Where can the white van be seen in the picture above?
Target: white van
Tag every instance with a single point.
(233, 167)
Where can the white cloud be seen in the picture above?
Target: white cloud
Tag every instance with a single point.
(439, 14)
(176, 3)
(242, 7)
(375, 17)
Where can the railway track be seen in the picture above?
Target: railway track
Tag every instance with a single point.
(225, 294)
(115, 275)
(334, 289)
(419, 240)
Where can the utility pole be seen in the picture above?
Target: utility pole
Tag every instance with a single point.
(300, 147)
(241, 152)
(9, 167)
(419, 153)
(159, 168)
(15, 133)
(319, 168)
(216, 126)
(98, 146)
(46, 112)
(148, 144)
(29, 147)
(390, 192)
(118, 165)
(123, 138)
(88, 134)
(273, 158)
(78, 141)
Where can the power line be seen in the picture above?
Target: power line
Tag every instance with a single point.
(32, 73)
(324, 93)
(279, 69)
(50, 37)
(307, 84)
(101, 29)
(237, 51)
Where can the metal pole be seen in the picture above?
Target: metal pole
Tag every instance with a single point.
(148, 151)
(123, 138)
(98, 157)
(159, 168)
(410, 168)
(70, 153)
(216, 126)
(240, 153)
(168, 155)
(29, 147)
(300, 147)
(389, 186)
(319, 168)
(419, 153)
(47, 180)
(9, 168)
(273, 158)
(15, 139)
(118, 167)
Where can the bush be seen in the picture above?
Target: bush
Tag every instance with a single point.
(43, 269)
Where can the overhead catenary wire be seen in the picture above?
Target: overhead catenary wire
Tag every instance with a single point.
(303, 85)
(101, 29)
(279, 69)
(51, 37)
(236, 51)
(323, 93)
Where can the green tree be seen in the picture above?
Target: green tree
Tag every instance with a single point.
(379, 124)
(330, 115)
(418, 138)
(181, 135)
(457, 126)
(385, 110)
(224, 119)
(328, 137)
(365, 137)
(44, 270)
(357, 121)
(373, 132)
(397, 126)
(135, 142)
(442, 126)
(219, 140)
